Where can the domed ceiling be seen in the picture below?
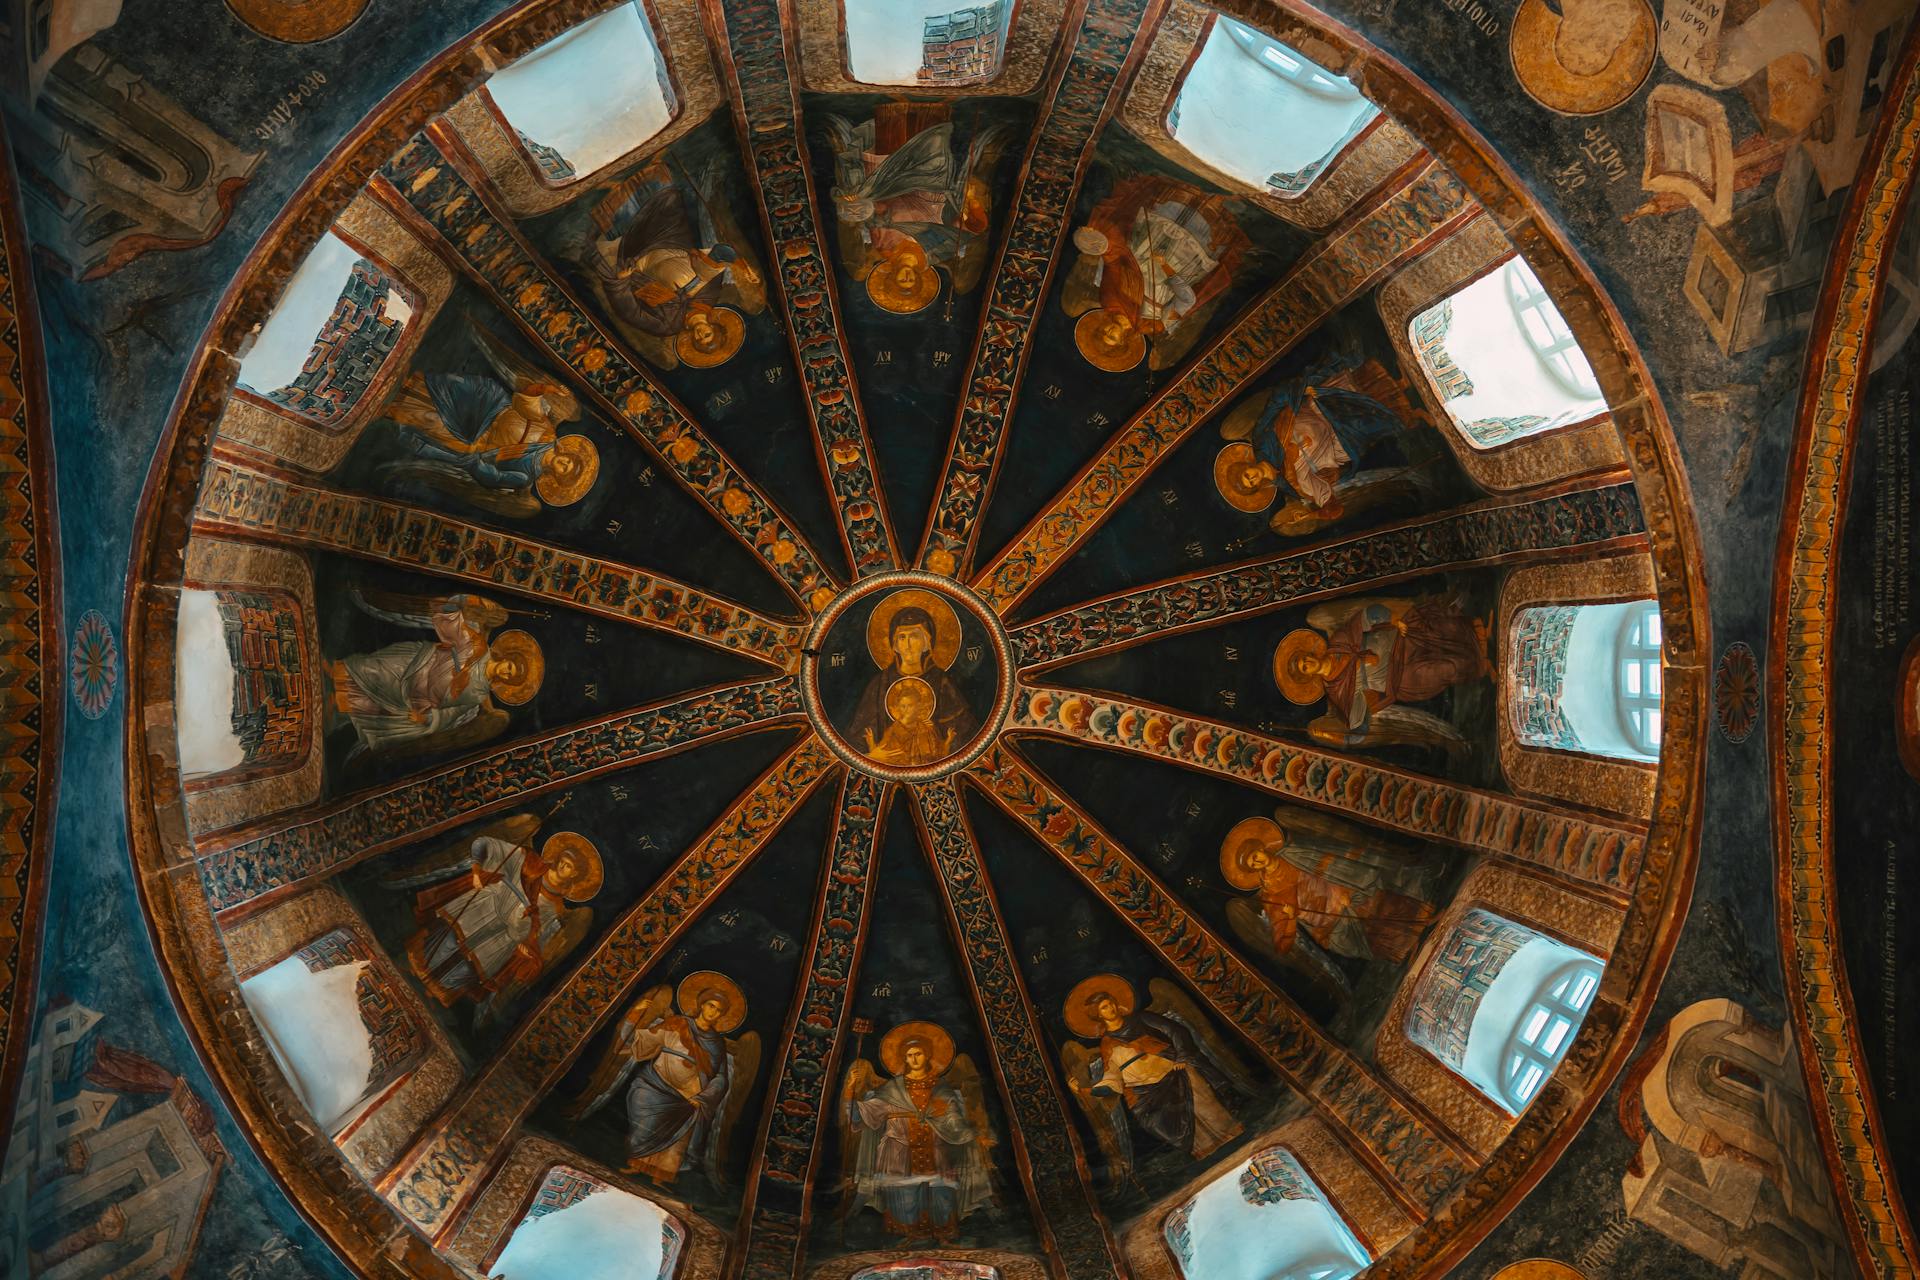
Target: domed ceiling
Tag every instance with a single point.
(903, 668)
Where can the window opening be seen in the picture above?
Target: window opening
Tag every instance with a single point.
(1638, 671)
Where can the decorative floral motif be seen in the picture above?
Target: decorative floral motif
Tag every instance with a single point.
(94, 665)
(1736, 692)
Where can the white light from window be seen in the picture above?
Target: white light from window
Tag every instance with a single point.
(1639, 676)
(1547, 1029)
(593, 93)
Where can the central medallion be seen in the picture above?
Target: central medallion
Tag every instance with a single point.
(907, 676)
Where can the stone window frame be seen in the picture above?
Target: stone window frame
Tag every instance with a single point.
(1572, 449)
(1033, 36)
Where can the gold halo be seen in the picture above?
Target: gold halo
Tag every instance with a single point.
(1247, 836)
(1539, 1269)
(533, 666)
(556, 493)
(1301, 690)
(1080, 1018)
(900, 686)
(1233, 460)
(588, 882)
(887, 295)
(731, 327)
(893, 1047)
(946, 626)
(1541, 38)
(1101, 356)
(686, 997)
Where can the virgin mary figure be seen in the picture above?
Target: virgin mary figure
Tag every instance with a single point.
(912, 635)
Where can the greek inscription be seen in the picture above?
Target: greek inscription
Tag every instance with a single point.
(1892, 518)
(289, 105)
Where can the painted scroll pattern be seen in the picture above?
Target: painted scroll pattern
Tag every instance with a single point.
(324, 842)
(772, 1250)
(1080, 1239)
(774, 154)
(240, 498)
(1424, 1167)
(1430, 204)
(444, 1169)
(1054, 164)
(1589, 849)
(1562, 522)
(429, 182)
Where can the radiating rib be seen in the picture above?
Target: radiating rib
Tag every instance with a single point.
(428, 183)
(768, 108)
(1406, 218)
(1053, 1169)
(778, 1205)
(248, 867)
(1599, 850)
(446, 1165)
(1080, 100)
(1502, 531)
(1422, 1166)
(236, 498)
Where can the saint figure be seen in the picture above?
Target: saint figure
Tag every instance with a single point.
(438, 694)
(1373, 657)
(912, 635)
(917, 1143)
(1161, 1068)
(687, 1076)
(493, 915)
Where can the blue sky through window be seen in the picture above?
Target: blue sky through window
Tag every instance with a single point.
(592, 94)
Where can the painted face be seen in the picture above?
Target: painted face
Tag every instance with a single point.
(505, 670)
(705, 336)
(1259, 860)
(563, 466)
(565, 867)
(1105, 1009)
(1252, 476)
(916, 1059)
(915, 707)
(712, 1009)
(906, 277)
(1113, 332)
(911, 645)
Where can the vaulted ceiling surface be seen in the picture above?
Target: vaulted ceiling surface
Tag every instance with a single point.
(745, 609)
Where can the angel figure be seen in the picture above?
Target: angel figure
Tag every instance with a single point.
(1317, 886)
(491, 438)
(673, 269)
(917, 1143)
(1371, 657)
(908, 205)
(493, 915)
(1155, 258)
(1316, 442)
(1164, 1067)
(686, 1074)
(440, 694)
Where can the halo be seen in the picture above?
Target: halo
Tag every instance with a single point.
(533, 666)
(588, 882)
(1301, 690)
(686, 997)
(1619, 51)
(946, 626)
(893, 1047)
(1248, 835)
(731, 327)
(1227, 468)
(1101, 356)
(900, 686)
(557, 493)
(1080, 1018)
(1090, 241)
(887, 295)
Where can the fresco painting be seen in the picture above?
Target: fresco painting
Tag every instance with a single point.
(613, 675)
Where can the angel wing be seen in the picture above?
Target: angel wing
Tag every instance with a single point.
(505, 363)
(743, 1066)
(1325, 827)
(748, 277)
(617, 1063)
(457, 856)
(982, 150)
(1334, 614)
(965, 1078)
(1106, 1114)
(1394, 725)
(1169, 1000)
(1240, 422)
(1305, 957)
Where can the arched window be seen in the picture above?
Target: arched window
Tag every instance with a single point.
(1264, 1219)
(940, 42)
(1546, 1029)
(580, 1228)
(1242, 82)
(1586, 677)
(588, 96)
(1637, 670)
(1499, 1003)
(1503, 361)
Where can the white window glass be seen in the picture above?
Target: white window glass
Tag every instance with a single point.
(1638, 673)
(1547, 1030)
(1239, 86)
(588, 96)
